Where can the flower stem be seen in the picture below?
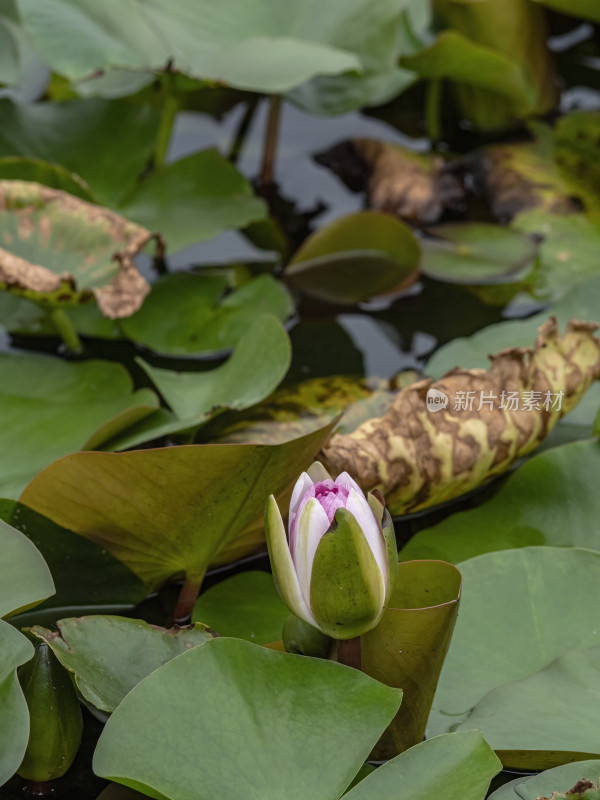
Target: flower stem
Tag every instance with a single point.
(38, 788)
(433, 101)
(186, 600)
(266, 172)
(348, 652)
(67, 332)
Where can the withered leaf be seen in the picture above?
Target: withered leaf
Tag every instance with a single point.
(418, 188)
(583, 790)
(60, 250)
(418, 458)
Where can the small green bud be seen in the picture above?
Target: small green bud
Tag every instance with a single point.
(55, 717)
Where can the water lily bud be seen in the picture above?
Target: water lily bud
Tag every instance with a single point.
(55, 717)
(335, 568)
(303, 639)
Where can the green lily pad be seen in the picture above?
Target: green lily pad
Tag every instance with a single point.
(255, 47)
(173, 510)
(464, 61)
(9, 53)
(354, 258)
(297, 727)
(245, 606)
(542, 708)
(477, 253)
(512, 626)
(79, 135)
(567, 253)
(15, 650)
(84, 574)
(550, 500)
(408, 647)
(186, 313)
(110, 655)
(25, 579)
(60, 250)
(559, 779)
(456, 766)
(256, 367)
(193, 199)
(51, 407)
(53, 175)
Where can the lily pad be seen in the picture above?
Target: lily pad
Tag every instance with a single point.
(488, 651)
(257, 366)
(25, 581)
(464, 61)
(294, 727)
(354, 258)
(456, 766)
(84, 574)
(25, 577)
(51, 407)
(15, 650)
(550, 500)
(193, 199)
(559, 779)
(79, 135)
(110, 655)
(255, 46)
(522, 715)
(477, 253)
(174, 510)
(38, 171)
(246, 606)
(187, 313)
(60, 250)
(408, 647)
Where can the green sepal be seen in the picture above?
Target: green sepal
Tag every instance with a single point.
(345, 589)
(282, 567)
(389, 534)
(317, 472)
(303, 639)
(55, 717)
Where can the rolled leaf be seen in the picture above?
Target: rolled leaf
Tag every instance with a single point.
(418, 457)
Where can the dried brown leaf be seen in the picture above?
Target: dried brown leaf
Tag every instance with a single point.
(36, 218)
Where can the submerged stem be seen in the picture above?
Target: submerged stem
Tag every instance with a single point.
(167, 120)
(66, 329)
(242, 130)
(348, 652)
(186, 600)
(433, 101)
(271, 135)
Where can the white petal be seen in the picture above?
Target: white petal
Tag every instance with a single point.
(358, 506)
(312, 522)
(282, 565)
(343, 479)
(303, 484)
